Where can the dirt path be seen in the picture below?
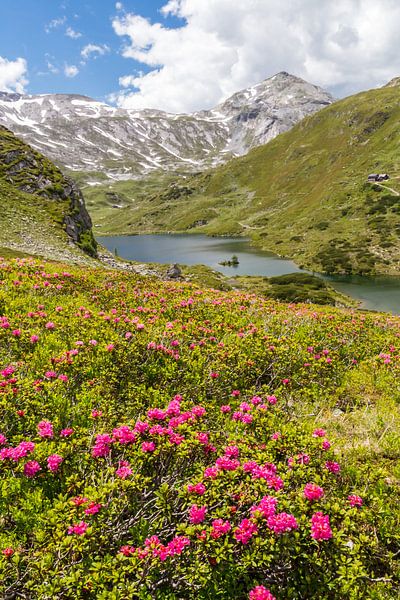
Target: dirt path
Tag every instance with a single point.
(387, 188)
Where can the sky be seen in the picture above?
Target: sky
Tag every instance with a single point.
(187, 55)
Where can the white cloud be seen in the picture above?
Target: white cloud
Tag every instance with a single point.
(54, 24)
(223, 46)
(13, 75)
(52, 68)
(72, 33)
(71, 71)
(94, 50)
(119, 6)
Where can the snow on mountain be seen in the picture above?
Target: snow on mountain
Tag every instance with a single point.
(82, 134)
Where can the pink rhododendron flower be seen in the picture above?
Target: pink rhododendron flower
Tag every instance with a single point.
(79, 500)
(197, 514)
(266, 507)
(282, 523)
(220, 528)
(225, 408)
(272, 400)
(198, 488)
(31, 468)
(53, 462)
(93, 508)
(211, 473)
(124, 470)
(332, 466)
(247, 528)
(319, 433)
(66, 432)
(124, 434)
(7, 552)
(320, 527)
(226, 464)
(78, 529)
(313, 491)
(326, 445)
(355, 500)
(260, 593)
(148, 447)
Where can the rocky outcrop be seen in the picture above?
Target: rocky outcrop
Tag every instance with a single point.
(30, 172)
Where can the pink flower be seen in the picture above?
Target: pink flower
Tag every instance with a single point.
(93, 508)
(124, 470)
(247, 528)
(313, 491)
(355, 500)
(50, 325)
(78, 529)
(320, 527)
(31, 468)
(226, 464)
(124, 434)
(214, 375)
(197, 514)
(53, 462)
(220, 528)
(3, 439)
(282, 523)
(326, 445)
(79, 500)
(319, 433)
(45, 429)
(66, 432)
(96, 413)
(333, 467)
(102, 446)
(225, 408)
(272, 400)
(260, 593)
(148, 447)
(211, 473)
(7, 552)
(266, 508)
(198, 488)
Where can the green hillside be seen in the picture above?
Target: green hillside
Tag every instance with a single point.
(42, 212)
(303, 195)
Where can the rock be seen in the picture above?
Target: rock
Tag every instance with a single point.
(174, 272)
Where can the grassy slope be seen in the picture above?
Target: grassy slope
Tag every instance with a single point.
(303, 195)
(32, 223)
(263, 343)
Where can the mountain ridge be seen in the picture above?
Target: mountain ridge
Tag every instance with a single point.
(82, 134)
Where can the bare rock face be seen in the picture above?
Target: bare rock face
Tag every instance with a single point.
(81, 134)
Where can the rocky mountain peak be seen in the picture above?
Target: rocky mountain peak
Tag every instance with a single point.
(82, 134)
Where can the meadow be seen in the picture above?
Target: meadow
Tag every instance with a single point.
(163, 441)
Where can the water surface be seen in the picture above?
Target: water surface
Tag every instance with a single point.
(375, 293)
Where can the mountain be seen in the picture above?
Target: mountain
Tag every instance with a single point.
(42, 211)
(304, 194)
(81, 134)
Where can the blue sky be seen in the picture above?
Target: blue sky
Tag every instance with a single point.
(186, 55)
(37, 31)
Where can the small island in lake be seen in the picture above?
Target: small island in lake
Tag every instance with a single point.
(233, 262)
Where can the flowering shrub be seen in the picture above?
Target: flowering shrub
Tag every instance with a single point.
(160, 441)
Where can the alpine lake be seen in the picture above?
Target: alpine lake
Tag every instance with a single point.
(373, 293)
